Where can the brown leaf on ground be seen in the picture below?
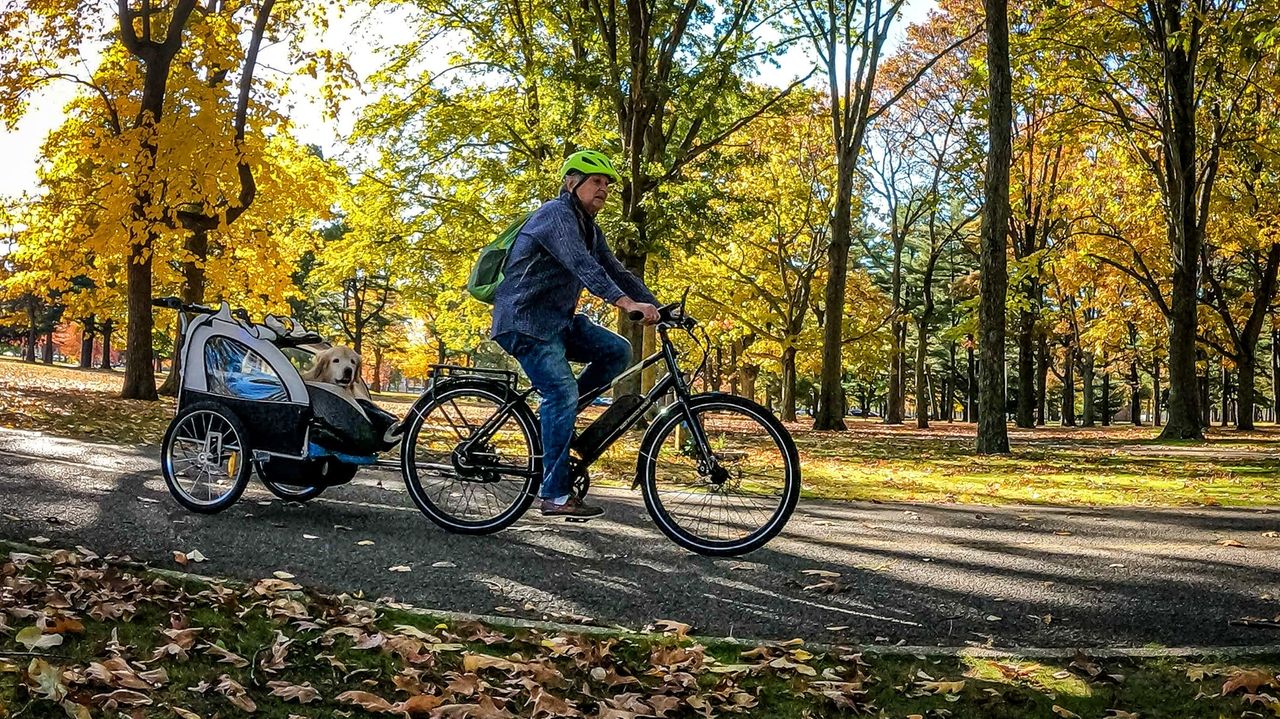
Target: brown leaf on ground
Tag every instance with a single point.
(546, 704)
(302, 693)
(236, 694)
(942, 687)
(226, 657)
(1251, 680)
(122, 697)
(366, 701)
(1064, 712)
(421, 704)
(670, 626)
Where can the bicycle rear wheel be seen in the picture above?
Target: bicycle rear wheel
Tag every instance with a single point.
(741, 500)
(470, 487)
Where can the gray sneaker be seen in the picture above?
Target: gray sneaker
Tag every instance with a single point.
(573, 507)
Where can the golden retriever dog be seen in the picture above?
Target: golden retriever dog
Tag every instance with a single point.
(339, 366)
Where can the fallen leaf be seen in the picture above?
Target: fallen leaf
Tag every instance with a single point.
(1064, 712)
(992, 618)
(126, 697)
(825, 586)
(48, 680)
(820, 573)
(185, 713)
(225, 656)
(1272, 534)
(1251, 680)
(670, 626)
(399, 568)
(1064, 533)
(1121, 714)
(38, 540)
(342, 527)
(195, 556)
(33, 638)
(366, 701)
(419, 704)
(1230, 543)
(309, 536)
(236, 694)
(282, 575)
(365, 543)
(148, 500)
(943, 687)
(443, 565)
(302, 693)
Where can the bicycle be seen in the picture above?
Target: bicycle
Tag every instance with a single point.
(719, 473)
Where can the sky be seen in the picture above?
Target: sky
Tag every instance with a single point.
(20, 148)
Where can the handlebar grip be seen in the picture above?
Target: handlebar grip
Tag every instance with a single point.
(172, 303)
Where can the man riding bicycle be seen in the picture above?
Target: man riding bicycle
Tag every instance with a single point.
(559, 251)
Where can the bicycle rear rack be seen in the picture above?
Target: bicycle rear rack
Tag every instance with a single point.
(441, 371)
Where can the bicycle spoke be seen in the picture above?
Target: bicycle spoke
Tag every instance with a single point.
(463, 467)
(726, 506)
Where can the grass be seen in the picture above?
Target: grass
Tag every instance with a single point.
(1115, 466)
(284, 637)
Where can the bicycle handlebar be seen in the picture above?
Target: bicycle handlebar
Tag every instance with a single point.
(670, 315)
(173, 303)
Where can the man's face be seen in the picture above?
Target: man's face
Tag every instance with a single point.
(592, 193)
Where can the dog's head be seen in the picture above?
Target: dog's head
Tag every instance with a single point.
(339, 365)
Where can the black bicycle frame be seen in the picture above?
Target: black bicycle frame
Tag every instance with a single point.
(672, 381)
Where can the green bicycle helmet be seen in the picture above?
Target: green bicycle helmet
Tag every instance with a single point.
(589, 162)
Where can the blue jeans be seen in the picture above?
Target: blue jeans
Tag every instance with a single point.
(546, 362)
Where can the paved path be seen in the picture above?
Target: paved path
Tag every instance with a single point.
(921, 574)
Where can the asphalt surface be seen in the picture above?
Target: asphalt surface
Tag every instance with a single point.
(947, 575)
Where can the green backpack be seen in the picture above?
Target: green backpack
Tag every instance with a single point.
(488, 271)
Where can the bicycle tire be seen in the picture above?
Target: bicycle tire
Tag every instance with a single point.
(428, 502)
(663, 514)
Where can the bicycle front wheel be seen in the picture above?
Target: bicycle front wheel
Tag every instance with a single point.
(737, 502)
(468, 469)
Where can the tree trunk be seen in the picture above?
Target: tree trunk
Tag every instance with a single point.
(1106, 398)
(1205, 404)
(86, 343)
(1087, 376)
(47, 355)
(376, 384)
(1275, 375)
(1025, 416)
(749, 373)
(993, 432)
(1245, 393)
(949, 401)
(1184, 232)
(1155, 391)
(970, 396)
(922, 360)
(897, 375)
(788, 373)
(830, 413)
(1226, 391)
(734, 369)
(1135, 394)
(106, 343)
(1042, 378)
(33, 333)
(1069, 389)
